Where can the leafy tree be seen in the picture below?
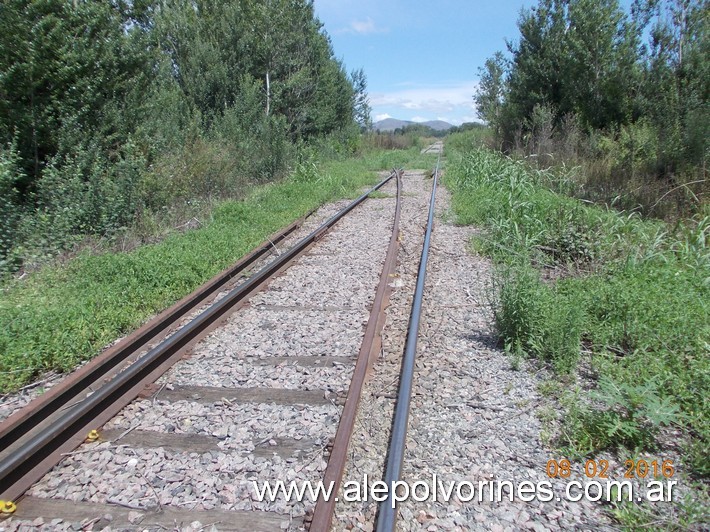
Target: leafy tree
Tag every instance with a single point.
(539, 61)
(95, 97)
(601, 69)
(68, 70)
(302, 80)
(677, 78)
(579, 56)
(361, 103)
(489, 97)
(584, 78)
(212, 44)
(586, 58)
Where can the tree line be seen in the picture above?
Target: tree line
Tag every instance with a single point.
(111, 110)
(628, 90)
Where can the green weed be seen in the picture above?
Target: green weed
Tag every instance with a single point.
(571, 277)
(682, 514)
(64, 314)
(631, 417)
(535, 321)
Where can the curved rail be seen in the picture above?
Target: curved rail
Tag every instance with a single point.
(387, 514)
(34, 457)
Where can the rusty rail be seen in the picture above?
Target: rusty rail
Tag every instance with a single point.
(31, 459)
(387, 514)
(370, 347)
(66, 392)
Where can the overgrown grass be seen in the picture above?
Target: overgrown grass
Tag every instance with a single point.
(581, 284)
(66, 313)
(410, 158)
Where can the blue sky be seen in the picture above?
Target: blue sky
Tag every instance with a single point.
(421, 58)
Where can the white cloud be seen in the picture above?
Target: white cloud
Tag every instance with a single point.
(362, 27)
(382, 116)
(419, 119)
(434, 100)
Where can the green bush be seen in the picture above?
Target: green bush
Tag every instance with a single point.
(64, 314)
(631, 292)
(10, 175)
(537, 321)
(631, 417)
(77, 196)
(477, 137)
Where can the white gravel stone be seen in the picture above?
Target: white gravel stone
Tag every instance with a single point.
(318, 308)
(473, 417)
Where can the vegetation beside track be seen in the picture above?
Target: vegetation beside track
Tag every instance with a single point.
(583, 287)
(66, 313)
(130, 114)
(618, 88)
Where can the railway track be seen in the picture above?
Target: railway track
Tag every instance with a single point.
(175, 422)
(387, 514)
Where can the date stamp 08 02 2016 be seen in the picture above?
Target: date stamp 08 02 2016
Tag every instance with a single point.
(639, 469)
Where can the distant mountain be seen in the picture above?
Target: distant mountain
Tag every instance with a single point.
(390, 124)
(438, 125)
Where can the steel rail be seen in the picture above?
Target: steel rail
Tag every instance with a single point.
(24, 420)
(23, 466)
(387, 513)
(369, 348)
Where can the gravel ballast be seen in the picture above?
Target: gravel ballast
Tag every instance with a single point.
(473, 417)
(314, 311)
